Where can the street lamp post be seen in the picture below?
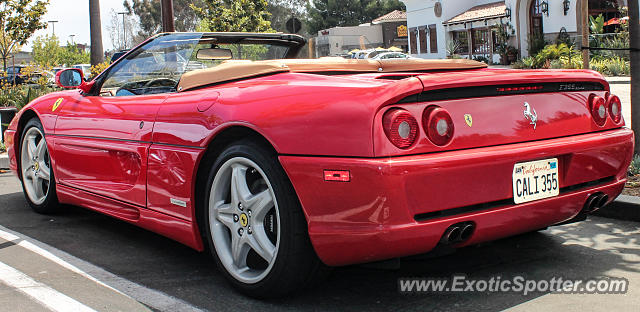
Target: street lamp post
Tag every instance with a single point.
(53, 25)
(124, 30)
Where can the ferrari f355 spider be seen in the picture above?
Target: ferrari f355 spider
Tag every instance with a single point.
(282, 166)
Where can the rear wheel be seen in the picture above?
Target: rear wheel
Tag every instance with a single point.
(38, 183)
(255, 226)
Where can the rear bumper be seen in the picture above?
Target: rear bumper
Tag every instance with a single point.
(401, 206)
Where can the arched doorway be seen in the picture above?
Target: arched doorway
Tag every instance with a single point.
(535, 20)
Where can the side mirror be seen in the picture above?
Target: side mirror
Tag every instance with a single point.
(69, 78)
(73, 78)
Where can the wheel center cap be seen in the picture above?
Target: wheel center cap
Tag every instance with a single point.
(244, 219)
(36, 166)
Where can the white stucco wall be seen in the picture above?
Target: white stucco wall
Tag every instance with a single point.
(339, 37)
(421, 12)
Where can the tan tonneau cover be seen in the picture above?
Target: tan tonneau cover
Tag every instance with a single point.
(234, 70)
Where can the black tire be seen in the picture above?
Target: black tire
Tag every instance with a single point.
(50, 204)
(296, 264)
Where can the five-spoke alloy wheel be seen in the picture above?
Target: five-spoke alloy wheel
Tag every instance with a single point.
(35, 163)
(244, 220)
(254, 223)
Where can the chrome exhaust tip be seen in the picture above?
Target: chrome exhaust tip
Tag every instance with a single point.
(467, 232)
(451, 235)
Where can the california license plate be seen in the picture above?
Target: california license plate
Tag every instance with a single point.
(535, 180)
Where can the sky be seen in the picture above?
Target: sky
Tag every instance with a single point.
(73, 19)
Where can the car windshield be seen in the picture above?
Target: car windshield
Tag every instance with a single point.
(158, 66)
(12, 70)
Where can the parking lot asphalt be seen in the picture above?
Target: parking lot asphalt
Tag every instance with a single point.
(108, 265)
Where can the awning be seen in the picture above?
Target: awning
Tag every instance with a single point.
(480, 13)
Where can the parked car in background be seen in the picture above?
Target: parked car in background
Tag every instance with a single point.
(86, 69)
(15, 75)
(19, 74)
(392, 56)
(373, 53)
(55, 70)
(118, 55)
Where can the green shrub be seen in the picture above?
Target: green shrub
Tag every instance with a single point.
(529, 62)
(613, 66)
(536, 44)
(2, 148)
(20, 96)
(634, 168)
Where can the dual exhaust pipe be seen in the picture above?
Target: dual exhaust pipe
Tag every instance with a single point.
(461, 232)
(458, 233)
(595, 202)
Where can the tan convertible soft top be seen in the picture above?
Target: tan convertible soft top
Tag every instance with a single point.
(234, 70)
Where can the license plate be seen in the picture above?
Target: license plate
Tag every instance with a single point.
(535, 180)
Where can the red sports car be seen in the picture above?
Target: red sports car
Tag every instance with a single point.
(281, 166)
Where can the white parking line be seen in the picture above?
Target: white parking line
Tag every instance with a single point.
(149, 297)
(44, 295)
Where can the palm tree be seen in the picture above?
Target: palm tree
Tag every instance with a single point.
(96, 32)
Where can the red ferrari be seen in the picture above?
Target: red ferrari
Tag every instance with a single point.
(280, 166)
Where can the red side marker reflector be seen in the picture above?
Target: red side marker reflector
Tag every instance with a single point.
(337, 175)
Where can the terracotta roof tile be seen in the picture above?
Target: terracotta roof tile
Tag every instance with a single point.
(480, 12)
(392, 16)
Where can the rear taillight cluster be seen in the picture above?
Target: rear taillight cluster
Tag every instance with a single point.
(402, 129)
(601, 107)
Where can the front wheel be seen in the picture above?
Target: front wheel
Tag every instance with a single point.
(255, 226)
(38, 183)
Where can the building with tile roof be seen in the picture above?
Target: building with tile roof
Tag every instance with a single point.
(469, 28)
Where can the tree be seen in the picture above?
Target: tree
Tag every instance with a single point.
(325, 14)
(19, 19)
(234, 15)
(282, 10)
(150, 15)
(47, 53)
(119, 39)
(71, 55)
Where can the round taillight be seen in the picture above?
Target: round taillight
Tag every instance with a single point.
(400, 127)
(438, 125)
(615, 109)
(598, 109)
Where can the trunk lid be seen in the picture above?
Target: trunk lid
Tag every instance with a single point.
(499, 107)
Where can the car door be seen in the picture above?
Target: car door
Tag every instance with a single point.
(102, 139)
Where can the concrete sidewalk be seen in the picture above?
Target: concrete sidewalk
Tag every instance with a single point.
(4, 161)
(623, 208)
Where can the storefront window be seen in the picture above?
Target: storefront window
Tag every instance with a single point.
(423, 39)
(433, 39)
(462, 39)
(413, 40)
(481, 41)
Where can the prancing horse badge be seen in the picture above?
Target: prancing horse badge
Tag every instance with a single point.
(468, 119)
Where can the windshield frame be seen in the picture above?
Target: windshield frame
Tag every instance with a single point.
(293, 43)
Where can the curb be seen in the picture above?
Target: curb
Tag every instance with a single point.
(4, 161)
(623, 208)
